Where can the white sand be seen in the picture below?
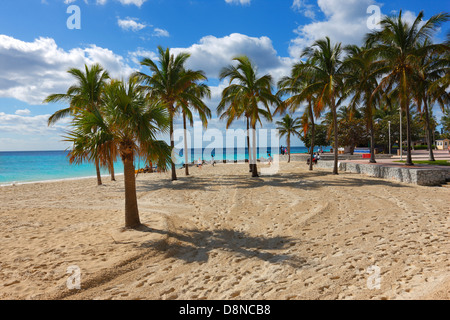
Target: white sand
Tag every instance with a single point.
(219, 234)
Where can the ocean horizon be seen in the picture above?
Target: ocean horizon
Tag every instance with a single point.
(18, 167)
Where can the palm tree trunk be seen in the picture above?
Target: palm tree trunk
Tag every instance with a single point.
(335, 124)
(254, 167)
(372, 141)
(250, 163)
(172, 147)
(313, 133)
(186, 158)
(408, 137)
(289, 147)
(131, 207)
(111, 170)
(429, 131)
(97, 168)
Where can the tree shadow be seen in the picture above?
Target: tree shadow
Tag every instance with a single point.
(310, 179)
(193, 245)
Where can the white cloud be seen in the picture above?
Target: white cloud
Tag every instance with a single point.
(23, 112)
(24, 124)
(243, 2)
(33, 70)
(23, 132)
(136, 56)
(346, 22)
(305, 8)
(211, 54)
(161, 33)
(130, 24)
(138, 3)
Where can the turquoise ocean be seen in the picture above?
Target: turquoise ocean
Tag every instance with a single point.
(37, 166)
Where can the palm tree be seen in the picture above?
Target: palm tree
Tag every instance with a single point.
(295, 85)
(130, 122)
(199, 91)
(431, 68)
(169, 83)
(324, 66)
(363, 69)
(397, 45)
(234, 112)
(85, 95)
(249, 95)
(287, 127)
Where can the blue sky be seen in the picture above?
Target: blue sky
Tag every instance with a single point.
(37, 47)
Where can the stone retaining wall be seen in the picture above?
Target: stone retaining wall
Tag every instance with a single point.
(419, 176)
(329, 156)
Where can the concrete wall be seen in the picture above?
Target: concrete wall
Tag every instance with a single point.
(424, 177)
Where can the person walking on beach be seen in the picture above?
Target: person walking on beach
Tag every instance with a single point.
(199, 163)
(212, 161)
(270, 160)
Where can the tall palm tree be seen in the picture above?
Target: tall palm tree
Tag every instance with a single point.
(85, 95)
(199, 91)
(362, 71)
(130, 122)
(249, 95)
(431, 67)
(233, 112)
(397, 45)
(324, 66)
(169, 83)
(295, 85)
(288, 127)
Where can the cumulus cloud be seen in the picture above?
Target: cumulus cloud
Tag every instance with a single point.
(161, 33)
(33, 70)
(346, 22)
(243, 2)
(137, 3)
(305, 8)
(130, 24)
(23, 112)
(24, 124)
(211, 54)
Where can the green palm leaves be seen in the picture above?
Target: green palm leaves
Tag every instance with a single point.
(175, 87)
(288, 127)
(84, 95)
(246, 95)
(325, 69)
(400, 45)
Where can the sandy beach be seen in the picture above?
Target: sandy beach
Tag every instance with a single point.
(220, 234)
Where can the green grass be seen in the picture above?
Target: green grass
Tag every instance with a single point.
(435, 163)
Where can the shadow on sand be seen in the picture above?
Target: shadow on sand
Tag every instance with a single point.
(314, 179)
(193, 245)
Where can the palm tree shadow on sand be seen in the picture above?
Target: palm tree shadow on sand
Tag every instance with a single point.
(193, 245)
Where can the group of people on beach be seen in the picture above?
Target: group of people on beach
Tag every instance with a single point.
(316, 157)
(283, 150)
